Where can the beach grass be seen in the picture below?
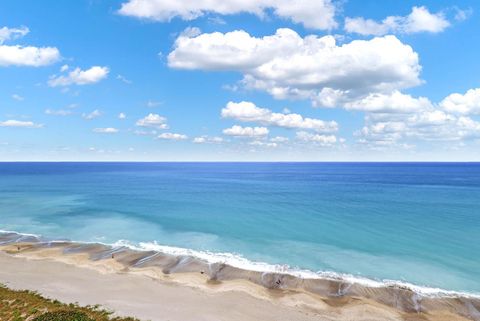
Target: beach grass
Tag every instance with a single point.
(30, 306)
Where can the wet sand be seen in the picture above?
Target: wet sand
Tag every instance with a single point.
(156, 286)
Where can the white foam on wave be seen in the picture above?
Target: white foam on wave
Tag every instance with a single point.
(23, 234)
(238, 261)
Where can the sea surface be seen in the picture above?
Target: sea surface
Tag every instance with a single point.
(415, 223)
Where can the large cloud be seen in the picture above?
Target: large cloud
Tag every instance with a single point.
(468, 103)
(419, 20)
(318, 14)
(28, 56)
(79, 77)
(249, 112)
(24, 55)
(289, 66)
(395, 102)
(407, 130)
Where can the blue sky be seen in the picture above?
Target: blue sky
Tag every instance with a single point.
(154, 80)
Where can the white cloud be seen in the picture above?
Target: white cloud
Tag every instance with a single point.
(279, 139)
(172, 136)
(59, 112)
(407, 130)
(28, 56)
(12, 33)
(207, 139)
(318, 14)
(94, 114)
(419, 20)
(289, 66)
(18, 97)
(19, 123)
(122, 116)
(240, 131)
(248, 112)
(107, 130)
(64, 68)
(395, 102)
(152, 132)
(462, 15)
(24, 56)
(468, 103)
(152, 103)
(323, 140)
(153, 121)
(263, 144)
(124, 79)
(199, 140)
(80, 77)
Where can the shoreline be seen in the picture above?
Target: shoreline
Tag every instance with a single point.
(325, 296)
(239, 262)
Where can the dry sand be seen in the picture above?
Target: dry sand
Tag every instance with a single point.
(149, 294)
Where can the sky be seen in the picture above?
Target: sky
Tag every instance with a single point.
(229, 80)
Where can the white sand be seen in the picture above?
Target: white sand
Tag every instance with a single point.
(170, 298)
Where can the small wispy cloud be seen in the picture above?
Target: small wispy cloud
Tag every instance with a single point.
(152, 103)
(94, 114)
(124, 79)
(17, 97)
(79, 76)
(20, 123)
(58, 112)
(107, 130)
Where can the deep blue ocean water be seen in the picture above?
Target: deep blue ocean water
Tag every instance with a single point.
(412, 222)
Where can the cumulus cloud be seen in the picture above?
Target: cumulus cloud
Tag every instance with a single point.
(407, 130)
(107, 130)
(395, 102)
(239, 131)
(153, 121)
(249, 112)
(172, 136)
(207, 139)
(445, 121)
(279, 139)
(318, 14)
(263, 144)
(80, 77)
(24, 56)
(323, 140)
(288, 66)
(19, 123)
(12, 33)
(122, 116)
(94, 114)
(468, 103)
(419, 20)
(59, 112)
(28, 56)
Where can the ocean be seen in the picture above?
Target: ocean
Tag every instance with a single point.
(406, 223)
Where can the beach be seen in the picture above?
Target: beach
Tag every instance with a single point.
(71, 273)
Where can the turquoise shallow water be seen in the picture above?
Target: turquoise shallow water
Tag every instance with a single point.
(412, 222)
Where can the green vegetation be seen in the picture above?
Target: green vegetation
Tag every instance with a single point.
(30, 306)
